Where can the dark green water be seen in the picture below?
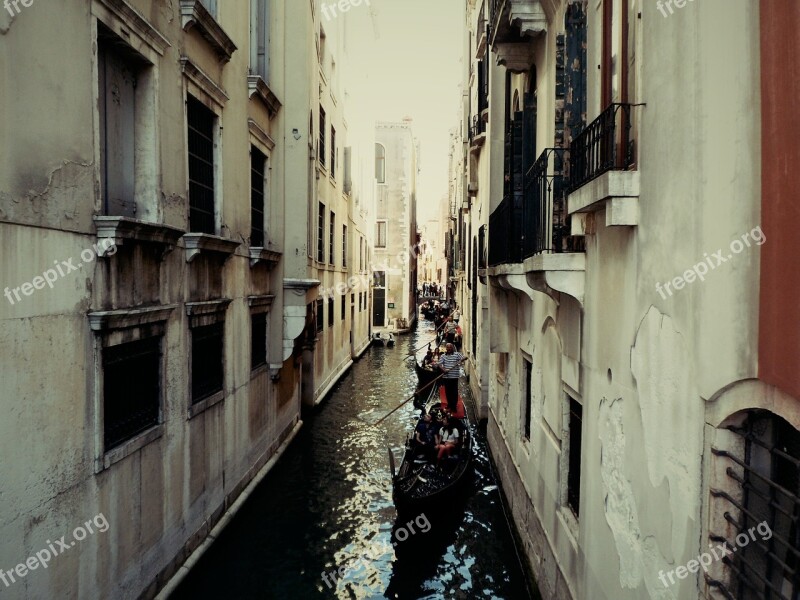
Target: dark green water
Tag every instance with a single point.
(327, 506)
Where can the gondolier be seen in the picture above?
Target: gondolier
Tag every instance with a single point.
(450, 364)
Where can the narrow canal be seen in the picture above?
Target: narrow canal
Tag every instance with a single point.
(326, 507)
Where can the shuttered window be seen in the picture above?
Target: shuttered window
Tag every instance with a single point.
(201, 123)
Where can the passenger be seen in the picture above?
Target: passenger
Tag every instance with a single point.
(425, 435)
(428, 357)
(447, 440)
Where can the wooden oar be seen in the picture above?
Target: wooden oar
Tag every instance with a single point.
(414, 395)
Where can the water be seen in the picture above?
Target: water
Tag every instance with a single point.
(326, 507)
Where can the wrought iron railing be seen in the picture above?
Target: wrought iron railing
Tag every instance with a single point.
(604, 145)
(546, 226)
(477, 128)
(482, 247)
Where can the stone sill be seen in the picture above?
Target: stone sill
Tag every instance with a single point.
(127, 318)
(615, 191)
(199, 243)
(256, 85)
(119, 229)
(194, 14)
(259, 254)
(201, 406)
(560, 261)
(477, 142)
(135, 444)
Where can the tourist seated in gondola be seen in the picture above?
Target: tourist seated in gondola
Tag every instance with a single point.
(447, 440)
(428, 357)
(425, 436)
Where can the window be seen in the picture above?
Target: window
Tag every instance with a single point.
(320, 317)
(125, 93)
(258, 340)
(259, 38)
(380, 163)
(322, 131)
(342, 307)
(201, 123)
(344, 245)
(380, 234)
(330, 312)
(359, 301)
(321, 233)
(574, 474)
(333, 152)
(207, 349)
(756, 514)
(379, 279)
(322, 39)
(257, 170)
(526, 417)
(332, 238)
(131, 389)
(360, 253)
(211, 6)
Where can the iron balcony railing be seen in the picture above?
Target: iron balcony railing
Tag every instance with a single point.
(540, 224)
(546, 226)
(477, 128)
(482, 247)
(604, 145)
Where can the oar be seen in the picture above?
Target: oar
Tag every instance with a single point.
(414, 395)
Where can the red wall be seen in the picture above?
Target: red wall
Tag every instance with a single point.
(779, 313)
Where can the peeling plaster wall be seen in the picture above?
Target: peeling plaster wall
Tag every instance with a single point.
(643, 366)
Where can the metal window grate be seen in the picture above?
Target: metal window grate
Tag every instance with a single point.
(207, 373)
(320, 317)
(330, 312)
(322, 132)
(258, 340)
(321, 233)
(131, 389)
(574, 475)
(332, 239)
(257, 169)
(201, 166)
(766, 480)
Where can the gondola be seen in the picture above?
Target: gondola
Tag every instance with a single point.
(417, 483)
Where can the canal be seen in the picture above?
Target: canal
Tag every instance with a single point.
(326, 508)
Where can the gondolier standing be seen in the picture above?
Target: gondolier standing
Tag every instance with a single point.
(450, 363)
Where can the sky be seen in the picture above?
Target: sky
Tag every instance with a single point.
(412, 67)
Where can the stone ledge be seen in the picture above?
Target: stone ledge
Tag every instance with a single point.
(259, 254)
(615, 191)
(256, 85)
(119, 229)
(199, 243)
(127, 318)
(194, 14)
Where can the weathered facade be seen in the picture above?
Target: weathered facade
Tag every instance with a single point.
(630, 218)
(157, 188)
(395, 238)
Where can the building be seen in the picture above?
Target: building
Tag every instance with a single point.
(430, 267)
(395, 240)
(632, 271)
(338, 240)
(154, 232)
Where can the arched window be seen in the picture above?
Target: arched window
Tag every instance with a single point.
(380, 163)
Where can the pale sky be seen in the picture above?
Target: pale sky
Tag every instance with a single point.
(412, 69)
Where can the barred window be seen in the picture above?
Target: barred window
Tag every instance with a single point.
(330, 312)
(257, 170)
(762, 508)
(322, 133)
(258, 340)
(574, 473)
(321, 233)
(131, 389)
(201, 123)
(320, 317)
(207, 357)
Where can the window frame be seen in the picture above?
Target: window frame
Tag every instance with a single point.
(256, 156)
(380, 163)
(322, 137)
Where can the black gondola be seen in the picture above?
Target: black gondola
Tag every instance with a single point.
(417, 483)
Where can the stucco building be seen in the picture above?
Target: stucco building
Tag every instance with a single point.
(634, 286)
(395, 237)
(158, 184)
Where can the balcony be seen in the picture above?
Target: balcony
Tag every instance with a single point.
(537, 235)
(477, 134)
(511, 25)
(602, 170)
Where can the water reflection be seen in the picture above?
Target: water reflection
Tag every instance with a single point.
(323, 525)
